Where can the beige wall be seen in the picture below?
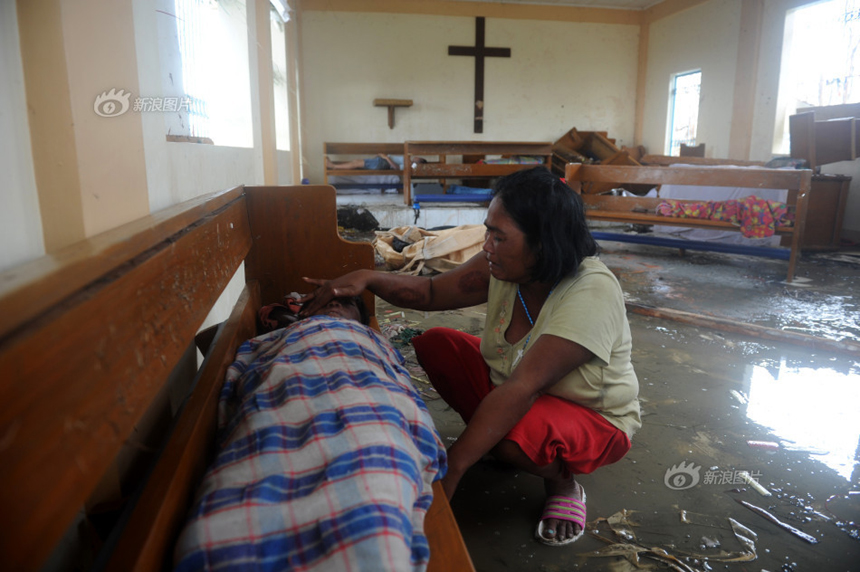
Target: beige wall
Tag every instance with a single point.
(560, 75)
(703, 37)
(179, 171)
(19, 205)
(770, 110)
(74, 173)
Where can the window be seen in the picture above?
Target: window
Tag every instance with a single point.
(820, 61)
(279, 79)
(683, 111)
(213, 48)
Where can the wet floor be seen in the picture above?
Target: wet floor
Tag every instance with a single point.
(716, 404)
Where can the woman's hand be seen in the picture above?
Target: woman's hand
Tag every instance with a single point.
(348, 285)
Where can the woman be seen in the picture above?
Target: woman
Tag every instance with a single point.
(549, 387)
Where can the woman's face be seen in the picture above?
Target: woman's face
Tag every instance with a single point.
(508, 253)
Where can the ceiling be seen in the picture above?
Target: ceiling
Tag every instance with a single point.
(623, 4)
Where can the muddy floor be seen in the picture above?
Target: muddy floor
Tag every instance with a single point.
(715, 404)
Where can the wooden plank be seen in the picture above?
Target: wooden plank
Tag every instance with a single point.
(92, 366)
(800, 210)
(295, 235)
(835, 141)
(363, 149)
(148, 538)
(392, 102)
(666, 160)
(801, 129)
(601, 147)
(465, 170)
(447, 549)
(29, 289)
(479, 148)
(621, 204)
(642, 218)
(746, 178)
(362, 172)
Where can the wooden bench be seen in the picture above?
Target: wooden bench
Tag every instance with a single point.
(338, 152)
(441, 169)
(591, 181)
(825, 209)
(97, 350)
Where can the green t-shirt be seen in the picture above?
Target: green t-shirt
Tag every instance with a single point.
(587, 309)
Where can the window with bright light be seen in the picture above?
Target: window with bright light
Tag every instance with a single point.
(279, 80)
(683, 111)
(213, 48)
(820, 61)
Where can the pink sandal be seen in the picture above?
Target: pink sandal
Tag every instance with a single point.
(563, 508)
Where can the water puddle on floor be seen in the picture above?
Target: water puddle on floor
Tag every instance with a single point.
(814, 410)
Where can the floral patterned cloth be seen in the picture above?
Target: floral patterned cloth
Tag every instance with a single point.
(757, 218)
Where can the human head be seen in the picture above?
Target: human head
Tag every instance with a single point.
(552, 217)
(349, 307)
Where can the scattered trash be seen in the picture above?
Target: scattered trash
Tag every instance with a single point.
(764, 444)
(762, 512)
(739, 396)
(846, 525)
(634, 550)
(754, 483)
(356, 217)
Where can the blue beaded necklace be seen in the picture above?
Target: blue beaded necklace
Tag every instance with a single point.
(531, 322)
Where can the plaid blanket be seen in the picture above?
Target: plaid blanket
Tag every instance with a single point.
(326, 455)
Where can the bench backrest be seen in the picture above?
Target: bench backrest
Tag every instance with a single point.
(363, 149)
(90, 337)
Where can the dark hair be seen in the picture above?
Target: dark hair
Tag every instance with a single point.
(552, 216)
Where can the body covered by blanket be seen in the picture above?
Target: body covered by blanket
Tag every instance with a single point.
(325, 460)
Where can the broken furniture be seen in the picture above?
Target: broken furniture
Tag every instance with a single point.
(588, 180)
(442, 170)
(821, 136)
(587, 147)
(692, 150)
(361, 178)
(104, 405)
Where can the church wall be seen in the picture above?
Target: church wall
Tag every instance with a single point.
(178, 171)
(560, 75)
(19, 205)
(703, 37)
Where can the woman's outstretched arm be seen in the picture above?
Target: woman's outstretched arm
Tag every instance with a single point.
(466, 285)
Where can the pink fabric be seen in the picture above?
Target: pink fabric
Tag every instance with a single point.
(757, 218)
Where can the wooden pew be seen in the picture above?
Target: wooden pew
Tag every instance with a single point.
(345, 151)
(93, 340)
(442, 169)
(585, 179)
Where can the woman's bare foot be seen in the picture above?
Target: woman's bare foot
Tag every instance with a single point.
(557, 529)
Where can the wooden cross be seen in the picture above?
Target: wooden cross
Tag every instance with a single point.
(479, 51)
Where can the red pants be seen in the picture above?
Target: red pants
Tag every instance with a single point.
(553, 428)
